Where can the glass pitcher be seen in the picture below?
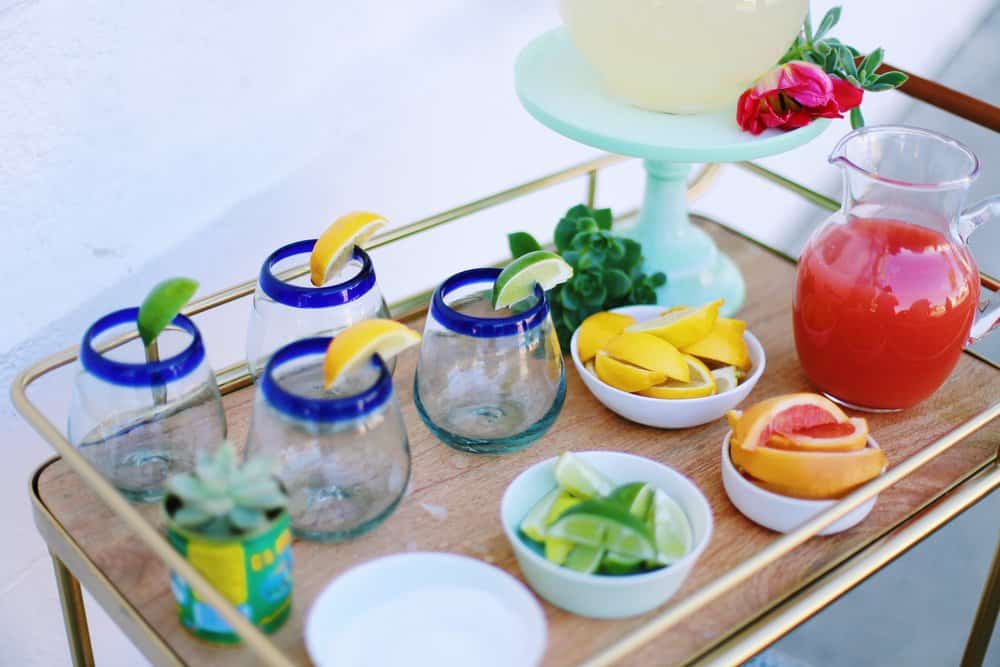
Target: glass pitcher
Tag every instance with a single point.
(887, 292)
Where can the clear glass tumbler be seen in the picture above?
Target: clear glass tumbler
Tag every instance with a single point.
(139, 422)
(488, 381)
(285, 311)
(343, 456)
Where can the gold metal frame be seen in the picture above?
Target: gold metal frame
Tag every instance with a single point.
(755, 634)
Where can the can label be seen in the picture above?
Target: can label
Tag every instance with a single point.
(255, 574)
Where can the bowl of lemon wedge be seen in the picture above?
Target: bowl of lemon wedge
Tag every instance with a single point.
(668, 368)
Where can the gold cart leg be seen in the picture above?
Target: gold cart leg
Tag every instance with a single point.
(986, 617)
(74, 615)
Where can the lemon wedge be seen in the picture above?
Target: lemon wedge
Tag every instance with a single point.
(597, 330)
(682, 326)
(357, 344)
(723, 344)
(336, 245)
(725, 379)
(702, 383)
(650, 352)
(626, 377)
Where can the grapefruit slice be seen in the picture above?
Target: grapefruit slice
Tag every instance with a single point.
(788, 413)
(811, 475)
(832, 437)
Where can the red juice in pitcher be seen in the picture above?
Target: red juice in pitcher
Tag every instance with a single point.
(882, 310)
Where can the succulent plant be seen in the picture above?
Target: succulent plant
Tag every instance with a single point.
(223, 498)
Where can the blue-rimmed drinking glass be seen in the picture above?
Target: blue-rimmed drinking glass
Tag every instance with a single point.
(287, 310)
(488, 381)
(139, 422)
(343, 457)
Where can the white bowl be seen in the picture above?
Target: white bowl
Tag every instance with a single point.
(596, 595)
(467, 613)
(782, 513)
(664, 413)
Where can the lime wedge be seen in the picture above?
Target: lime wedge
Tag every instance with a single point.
(584, 559)
(535, 521)
(671, 529)
(517, 281)
(601, 523)
(161, 306)
(557, 549)
(579, 478)
(616, 563)
(562, 503)
(636, 497)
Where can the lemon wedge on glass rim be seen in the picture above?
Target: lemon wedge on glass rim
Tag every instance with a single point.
(336, 244)
(355, 346)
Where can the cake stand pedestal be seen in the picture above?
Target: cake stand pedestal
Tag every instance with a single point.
(561, 91)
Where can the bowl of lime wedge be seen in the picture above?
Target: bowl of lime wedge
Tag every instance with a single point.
(605, 534)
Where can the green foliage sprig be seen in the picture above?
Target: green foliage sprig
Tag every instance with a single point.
(607, 269)
(839, 59)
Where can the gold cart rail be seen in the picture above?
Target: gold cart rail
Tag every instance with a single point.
(936, 471)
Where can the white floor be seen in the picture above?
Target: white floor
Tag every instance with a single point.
(417, 117)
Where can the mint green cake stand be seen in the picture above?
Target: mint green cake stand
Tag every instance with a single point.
(560, 90)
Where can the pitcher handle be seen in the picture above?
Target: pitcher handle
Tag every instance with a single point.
(977, 215)
(988, 315)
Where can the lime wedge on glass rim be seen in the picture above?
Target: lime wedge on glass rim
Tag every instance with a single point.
(670, 527)
(573, 474)
(518, 279)
(162, 305)
(604, 524)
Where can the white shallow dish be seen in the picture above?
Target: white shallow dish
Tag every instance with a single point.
(446, 631)
(662, 413)
(780, 513)
(605, 596)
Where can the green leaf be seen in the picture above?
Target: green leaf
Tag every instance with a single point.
(603, 218)
(565, 231)
(807, 28)
(596, 298)
(572, 257)
(570, 320)
(586, 224)
(616, 250)
(188, 517)
(871, 63)
(857, 119)
(568, 297)
(892, 79)
(847, 62)
(830, 19)
(185, 486)
(813, 57)
(830, 61)
(245, 519)
(633, 254)
(578, 211)
(162, 305)
(521, 243)
(658, 279)
(617, 283)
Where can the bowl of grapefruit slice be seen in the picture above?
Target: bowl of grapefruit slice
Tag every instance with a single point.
(790, 457)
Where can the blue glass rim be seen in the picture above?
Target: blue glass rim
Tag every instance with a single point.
(298, 296)
(144, 374)
(308, 408)
(485, 327)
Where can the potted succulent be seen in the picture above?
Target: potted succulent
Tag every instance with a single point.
(230, 522)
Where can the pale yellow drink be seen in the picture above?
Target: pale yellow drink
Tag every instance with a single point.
(682, 56)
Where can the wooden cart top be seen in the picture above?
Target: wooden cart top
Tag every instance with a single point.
(469, 487)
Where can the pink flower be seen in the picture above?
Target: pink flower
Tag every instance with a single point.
(791, 95)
